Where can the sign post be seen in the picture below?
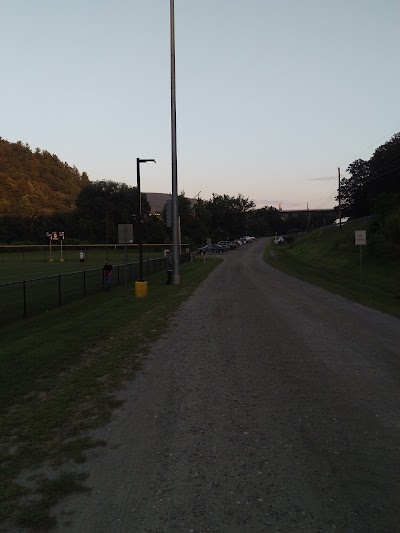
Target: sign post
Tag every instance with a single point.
(50, 236)
(360, 239)
(61, 237)
(54, 237)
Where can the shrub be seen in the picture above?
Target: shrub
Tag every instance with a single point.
(391, 226)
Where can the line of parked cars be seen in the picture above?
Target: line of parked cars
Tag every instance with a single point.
(224, 246)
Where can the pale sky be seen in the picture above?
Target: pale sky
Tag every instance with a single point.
(272, 96)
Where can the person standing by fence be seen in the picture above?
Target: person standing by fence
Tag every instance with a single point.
(81, 256)
(107, 275)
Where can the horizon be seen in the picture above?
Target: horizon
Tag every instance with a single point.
(271, 99)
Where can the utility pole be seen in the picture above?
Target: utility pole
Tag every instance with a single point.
(175, 215)
(340, 200)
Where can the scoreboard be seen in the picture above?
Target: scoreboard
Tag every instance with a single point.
(55, 235)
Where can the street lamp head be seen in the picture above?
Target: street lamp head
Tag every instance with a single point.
(146, 160)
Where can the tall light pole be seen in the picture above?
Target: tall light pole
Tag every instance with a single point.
(340, 201)
(175, 215)
(140, 217)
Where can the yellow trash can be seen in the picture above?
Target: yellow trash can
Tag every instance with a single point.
(140, 289)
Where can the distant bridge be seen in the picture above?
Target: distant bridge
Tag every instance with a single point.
(286, 213)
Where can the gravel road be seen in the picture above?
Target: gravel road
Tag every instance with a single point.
(271, 405)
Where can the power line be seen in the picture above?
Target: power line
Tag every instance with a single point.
(332, 197)
(387, 168)
(383, 170)
(370, 146)
(387, 165)
(389, 171)
(325, 199)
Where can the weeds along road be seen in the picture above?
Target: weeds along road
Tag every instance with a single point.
(270, 405)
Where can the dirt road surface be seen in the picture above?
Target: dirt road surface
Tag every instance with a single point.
(270, 406)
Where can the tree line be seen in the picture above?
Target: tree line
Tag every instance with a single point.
(373, 188)
(102, 205)
(373, 185)
(40, 193)
(36, 188)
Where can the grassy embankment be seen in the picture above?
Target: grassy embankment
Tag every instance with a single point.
(330, 259)
(58, 376)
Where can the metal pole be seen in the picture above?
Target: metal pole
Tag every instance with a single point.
(24, 291)
(175, 237)
(139, 220)
(126, 262)
(340, 202)
(180, 235)
(106, 232)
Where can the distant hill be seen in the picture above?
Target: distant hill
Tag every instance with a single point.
(36, 184)
(157, 201)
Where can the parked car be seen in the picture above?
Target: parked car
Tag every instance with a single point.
(210, 249)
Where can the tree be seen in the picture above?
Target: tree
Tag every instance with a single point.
(202, 219)
(369, 180)
(155, 230)
(187, 219)
(384, 171)
(353, 190)
(228, 216)
(34, 188)
(102, 205)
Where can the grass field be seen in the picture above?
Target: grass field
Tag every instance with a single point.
(17, 266)
(58, 378)
(330, 259)
(49, 285)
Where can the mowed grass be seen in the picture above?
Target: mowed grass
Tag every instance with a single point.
(18, 266)
(59, 373)
(330, 259)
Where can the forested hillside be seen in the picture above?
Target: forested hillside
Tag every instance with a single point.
(36, 184)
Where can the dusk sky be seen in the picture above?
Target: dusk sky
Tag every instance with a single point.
(272, 96)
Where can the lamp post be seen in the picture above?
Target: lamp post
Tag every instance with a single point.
(175, 214)
(138, 161)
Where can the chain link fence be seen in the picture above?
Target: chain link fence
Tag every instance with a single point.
(22, 299)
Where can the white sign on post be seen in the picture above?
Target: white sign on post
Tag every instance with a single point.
(360, 237)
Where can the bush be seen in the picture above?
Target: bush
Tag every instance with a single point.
(391, 226)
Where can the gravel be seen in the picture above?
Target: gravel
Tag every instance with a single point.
(270, 405)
